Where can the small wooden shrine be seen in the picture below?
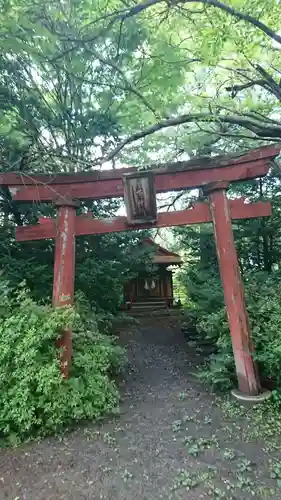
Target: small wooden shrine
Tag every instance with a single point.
(157, 286)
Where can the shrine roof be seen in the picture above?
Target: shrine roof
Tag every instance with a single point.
(162, 255)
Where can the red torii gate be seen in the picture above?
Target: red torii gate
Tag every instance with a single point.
(211, 174)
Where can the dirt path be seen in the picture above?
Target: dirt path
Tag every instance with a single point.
(173, 440)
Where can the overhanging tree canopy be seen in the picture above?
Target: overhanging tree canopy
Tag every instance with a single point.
(205, 68)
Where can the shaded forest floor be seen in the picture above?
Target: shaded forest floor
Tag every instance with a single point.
(172, 440)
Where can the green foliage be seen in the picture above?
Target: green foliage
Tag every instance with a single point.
(219, 371)
(87, 65)
(264, 308)
(276, 473)
(34, 398)
(265, 314)
(204, 290)
(103, 266)
(195, 446)
(185, 480)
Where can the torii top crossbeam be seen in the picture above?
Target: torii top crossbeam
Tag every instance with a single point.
(100, 184)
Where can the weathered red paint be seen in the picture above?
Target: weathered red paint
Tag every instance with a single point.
(22, 179)
(112, 187)
(42, 231)
(64, 271)
(248, 379)
(46, 229)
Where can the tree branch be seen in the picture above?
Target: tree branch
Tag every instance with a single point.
(172, 203)
(267, 82)
(260, 129)
(270, 82)
(130, 86)
(122, 15)
(234, 89)
(137, 9)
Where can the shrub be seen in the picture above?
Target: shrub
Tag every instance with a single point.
(34, 399)
(264, 308)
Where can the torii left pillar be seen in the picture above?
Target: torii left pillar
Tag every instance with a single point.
(64, 272)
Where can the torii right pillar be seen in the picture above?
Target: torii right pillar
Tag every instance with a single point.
(247, 374)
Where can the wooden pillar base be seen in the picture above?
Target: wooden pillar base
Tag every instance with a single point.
(248, 401)
(248, 379)
(64, 272)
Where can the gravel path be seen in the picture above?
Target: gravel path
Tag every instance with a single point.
(172, 440)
